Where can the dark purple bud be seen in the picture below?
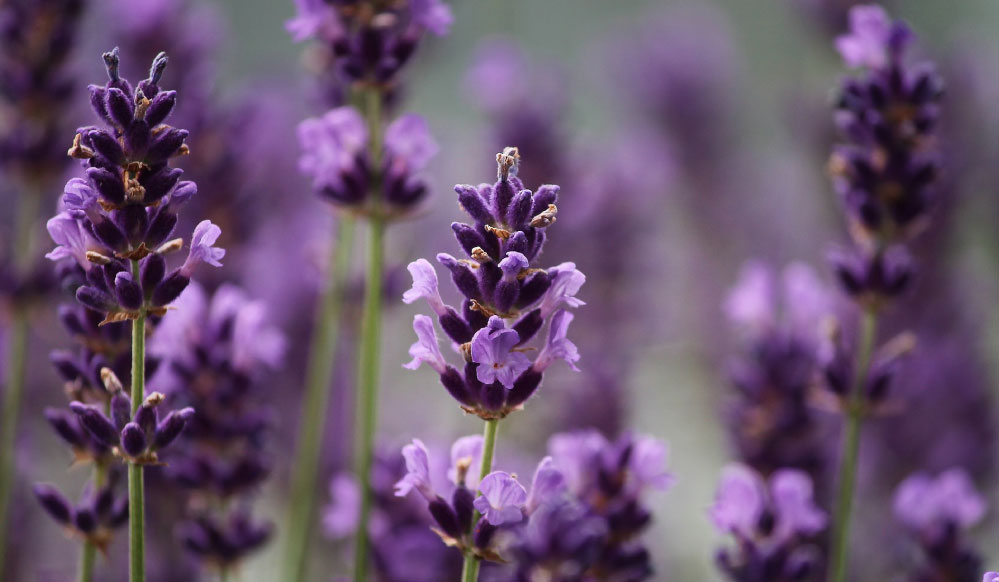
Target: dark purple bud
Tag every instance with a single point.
(85, 520)
(533, 289)
(469, 238)
(528, 325)
(159, 183)
(524, 387)
(165, 145)
(70, 319)
(473, 204)
(120, 108)
(171, 427)
(147, 418)
(108, 233)
(137, 138)
(95, 299)
(518, 243)
(96, 424)
(108, 184)
(492, 396)
(121, 410)
(462, 274)
(104, 504)
(160, 107)
(503, 193)
(161, 227)
(151, 273)
(98, 98)
(455, 386)
(119, 513)
(484, 533)
(133, 440)
(133, 221)
(66, 426)
(170, 288)
(455, 327)
(506, 295)
(445, 517)
(520, 210)
(463, 502)
(546, 194)
(54, 503)
(107, 146)
(127, 291)
(66, 364)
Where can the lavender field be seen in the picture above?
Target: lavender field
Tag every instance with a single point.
(525, 291)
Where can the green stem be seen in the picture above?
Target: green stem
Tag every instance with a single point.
(851, 447)
(368, 361)
(88, 556)
(136, 497)
(367, 392)
(17, 355)
(470, 567)
(325, 338)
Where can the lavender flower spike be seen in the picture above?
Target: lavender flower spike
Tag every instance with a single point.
(502, 500)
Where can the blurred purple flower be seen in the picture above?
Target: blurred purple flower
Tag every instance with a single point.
(492, 349)
(502, 500)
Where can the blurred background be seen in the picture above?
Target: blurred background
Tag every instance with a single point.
(688, 137)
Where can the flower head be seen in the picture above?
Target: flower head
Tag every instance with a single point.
(924, 503)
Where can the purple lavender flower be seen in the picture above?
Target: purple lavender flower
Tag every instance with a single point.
(336, 154)
(139, 438)
(872, 36)
(372, 44)
(772, 522)
(991, 577)
(938, 511)
(498, 284)
(98, 513)
(216, 352)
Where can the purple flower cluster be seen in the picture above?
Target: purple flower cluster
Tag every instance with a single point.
(93, 519)
(215, 352)
(499, 284)
(774, 523)
(937, 512)
(126, 209)
(367, 42)
(581, 518)
(886, 168)
(337, 155)
(772, 420)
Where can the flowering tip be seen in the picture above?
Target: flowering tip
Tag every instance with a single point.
(111, 381)
(507, 163)
(157, 68)
(111, 63)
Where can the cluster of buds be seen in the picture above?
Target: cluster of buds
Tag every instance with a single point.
(363, 41)
(886, 169)
(135, 436)
(337, 155)
(507, 299)
(117, 222)
(586, 480)
(93, 519)
(773, 522)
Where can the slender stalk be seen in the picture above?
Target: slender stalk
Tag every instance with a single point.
(470, 567)
(851, 447)
(17, 355)
(88, 555)
(368, 362)
(136, 497)
(325, 338)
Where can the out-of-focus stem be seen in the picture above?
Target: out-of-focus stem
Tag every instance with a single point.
(368, 362)
(851, 447)
(136, 497)
(88, 554)
(17, 356)
(322, 353)
(470, 567)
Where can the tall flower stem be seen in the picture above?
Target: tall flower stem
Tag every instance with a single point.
(136, 497)
(368, 362)
(16, 360)
(470, 567)
(325, 339)
(88, 554)
(851, 446)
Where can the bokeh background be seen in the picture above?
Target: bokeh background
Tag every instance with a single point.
(747, 179)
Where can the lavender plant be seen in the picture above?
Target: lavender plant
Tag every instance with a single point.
(117, 225)
(34, 86)
(885, 173)
(214, 352)
(368, 169)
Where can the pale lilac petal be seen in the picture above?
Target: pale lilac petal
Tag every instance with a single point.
(425, 286)
(417, 471)
(739, 502)
(491, 349)
(467, 451)
(547, 486)
(502, 498)
(202, 251)
(340, 517)
(566, 282)
(426, 349)
(752, 303)
(648, 463)
(795, 509)
(558, 346)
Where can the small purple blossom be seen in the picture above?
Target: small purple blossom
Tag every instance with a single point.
(743, 499)
(466, 454)
(925, 503)
(434, 15)
(866, 45)
(502, 500)
(202, 249)
(426, 349)
(71, 238)
(739, 502)
(417, 471)
(409, 144)
(991, 577)
(340, 517)
(566, 282)
(331, 145)
(547, 486)
(558, 346)
(424, 286)
(493, 350)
